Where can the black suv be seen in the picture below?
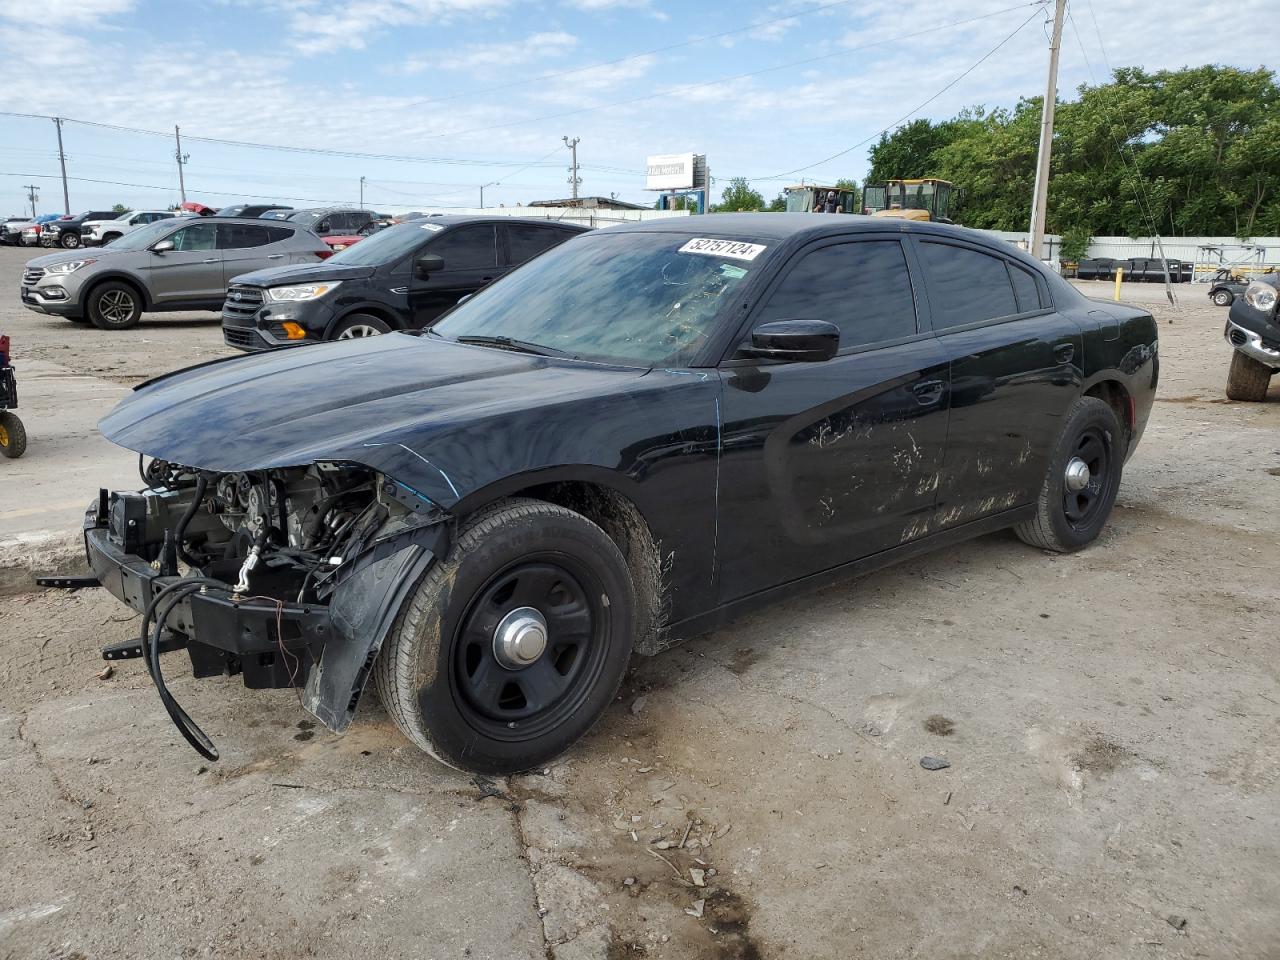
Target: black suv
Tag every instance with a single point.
(326, 221)
(401, 278)
(66, 232)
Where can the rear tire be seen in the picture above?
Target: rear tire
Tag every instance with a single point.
(13, 436)
(1247, 378)
(1070, 519)
(360, 325)
(441, 675)
(114, 306)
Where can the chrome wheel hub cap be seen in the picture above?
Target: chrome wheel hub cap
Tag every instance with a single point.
(520, 638)
(1077, 475)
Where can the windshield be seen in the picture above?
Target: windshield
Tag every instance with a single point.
(638, 299)
(385, 245)
(143, 237)
(304, 217)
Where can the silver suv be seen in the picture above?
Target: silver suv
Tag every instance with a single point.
(175, 264)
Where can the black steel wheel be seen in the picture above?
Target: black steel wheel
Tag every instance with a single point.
(529, 647)
(514, 644)
(1086, 476)
(1082, 480)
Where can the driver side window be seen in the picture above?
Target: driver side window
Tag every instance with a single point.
(198, 236)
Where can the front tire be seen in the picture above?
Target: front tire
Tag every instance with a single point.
(13, 436)
(360, 325)
(114, 306)
(1247, 378)
(70, 240)
(1082, 480)
(454, 675)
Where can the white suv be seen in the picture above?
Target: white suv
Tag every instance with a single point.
(100, 232)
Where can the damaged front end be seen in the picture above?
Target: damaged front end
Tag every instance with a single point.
(288, 577)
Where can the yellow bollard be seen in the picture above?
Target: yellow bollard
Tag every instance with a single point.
(1119, 277)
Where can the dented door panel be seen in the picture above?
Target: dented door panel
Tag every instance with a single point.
(1011, 385)
(825, 463)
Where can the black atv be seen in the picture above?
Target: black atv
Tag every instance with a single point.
(13, 435)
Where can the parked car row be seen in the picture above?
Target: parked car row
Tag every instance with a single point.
(17, 231)
(171, 263)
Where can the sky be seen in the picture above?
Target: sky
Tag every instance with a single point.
(442, 97)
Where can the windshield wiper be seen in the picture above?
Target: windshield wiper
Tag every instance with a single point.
(522, 346)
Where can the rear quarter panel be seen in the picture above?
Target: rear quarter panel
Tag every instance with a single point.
(1121, 343)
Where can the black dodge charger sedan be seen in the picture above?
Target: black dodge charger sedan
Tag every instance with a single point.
(640, 433)
(401, 278)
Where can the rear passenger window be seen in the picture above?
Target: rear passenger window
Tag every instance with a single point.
(237, 236)
(1026, 288)
(276, 234)
(966, 286)
(862, 287)
(527, 242)
(466, 248)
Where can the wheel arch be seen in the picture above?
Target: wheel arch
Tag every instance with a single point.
(371, 309)
(98, 280)
(598, 497)
(1117, 396)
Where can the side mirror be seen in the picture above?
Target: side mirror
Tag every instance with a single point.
(162, 246)
(427, 264)
(809, 341)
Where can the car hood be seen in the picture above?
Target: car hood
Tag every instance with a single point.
(366, 400)
(304, 273)
(97, 254)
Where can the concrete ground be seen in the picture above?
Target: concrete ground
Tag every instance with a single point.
(1111, 720)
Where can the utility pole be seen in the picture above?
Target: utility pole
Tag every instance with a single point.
(1041, 196)
(362, 193)
(33, 194)
(62, 161)
(494, 183)
(182, 162)
(574, 180)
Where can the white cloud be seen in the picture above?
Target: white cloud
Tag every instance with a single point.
(322, 26)
(63, 13)
(597, 6)
(484, 56)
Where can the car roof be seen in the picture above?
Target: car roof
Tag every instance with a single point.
(807, 226)
(450, 219)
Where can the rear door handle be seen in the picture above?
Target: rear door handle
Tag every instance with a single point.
(211, 260)
(1063, 352)
(930, 391)
(275, 256)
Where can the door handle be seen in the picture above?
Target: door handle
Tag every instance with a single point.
(930, 391)
(210, 260)
(1063, 352)
(275, 256)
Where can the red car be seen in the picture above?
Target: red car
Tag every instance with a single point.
(351, 239)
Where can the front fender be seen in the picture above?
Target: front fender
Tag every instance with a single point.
(362, 609)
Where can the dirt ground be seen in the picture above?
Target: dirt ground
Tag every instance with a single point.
(1111, 720)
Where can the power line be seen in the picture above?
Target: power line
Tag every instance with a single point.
(908, 115)
(401, 158)
(172, 189)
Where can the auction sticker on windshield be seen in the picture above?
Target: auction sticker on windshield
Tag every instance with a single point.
(734, 249)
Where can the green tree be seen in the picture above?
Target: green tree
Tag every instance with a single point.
(778, 204)
(120, 208)
(1180, 152)
(739, 196)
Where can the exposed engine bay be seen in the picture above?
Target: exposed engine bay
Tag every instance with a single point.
(289, 577)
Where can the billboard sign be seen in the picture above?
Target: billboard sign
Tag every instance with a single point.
(669, 171)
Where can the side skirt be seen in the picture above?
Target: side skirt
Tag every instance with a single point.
(704, 622)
